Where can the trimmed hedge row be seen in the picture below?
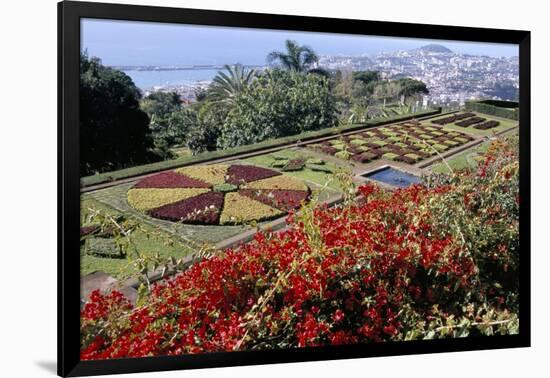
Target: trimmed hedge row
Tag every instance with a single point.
(504, 109)
(213, 155)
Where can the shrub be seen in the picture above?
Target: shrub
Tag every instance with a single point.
(315, 161)
(344, 155)
(504, 109)
(389, 156)
(319, 168)
(278, 104)
(295, 165)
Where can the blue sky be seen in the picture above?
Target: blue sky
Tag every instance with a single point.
(147, 43)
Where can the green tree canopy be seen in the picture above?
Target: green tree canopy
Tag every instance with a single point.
(296, 58)
(277, 104)
(410, 87)
(227, 85)
(160, 104)
(114, 132)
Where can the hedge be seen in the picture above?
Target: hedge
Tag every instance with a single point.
(503, 109)
(213, 155)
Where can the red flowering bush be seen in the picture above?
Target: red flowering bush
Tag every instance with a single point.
(385, 267)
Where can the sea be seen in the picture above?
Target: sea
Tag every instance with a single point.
(147, 80)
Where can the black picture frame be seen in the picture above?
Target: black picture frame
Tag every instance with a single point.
(69, 15)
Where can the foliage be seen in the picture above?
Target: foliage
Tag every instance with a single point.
(504, 109)
(227, 85)
(295, 58)
(238, 209)
(418, 263)
(279, 104)
(160, 104)
(113, 129)
(204, 136)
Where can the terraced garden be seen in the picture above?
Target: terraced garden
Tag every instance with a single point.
(408, 142)
(214, 203)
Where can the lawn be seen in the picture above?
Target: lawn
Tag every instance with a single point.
(468, 158)
(463, 160)
(307, 174)
(148, 245)
(505, 124)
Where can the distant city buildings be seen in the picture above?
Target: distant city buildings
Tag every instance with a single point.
(451, 78)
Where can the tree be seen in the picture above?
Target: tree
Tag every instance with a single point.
(173, 128)
(410, 87)
(296, 58)
(160, 104)
(226, 86)
(367, 77)
(277, 104)
(204, 136)
(114, 131)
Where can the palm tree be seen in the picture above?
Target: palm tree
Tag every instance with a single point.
(227, 85)
(296, 58)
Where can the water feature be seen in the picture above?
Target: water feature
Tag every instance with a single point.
(394, 177)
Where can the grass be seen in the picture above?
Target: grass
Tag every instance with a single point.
(464, 160)
(306, 174)
(118, 267)
(212, 155)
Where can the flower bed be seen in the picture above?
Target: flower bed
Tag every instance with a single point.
(396, 142)
(417, 263)
(470, 121)
(214, 194)
(487, 125)
(452, 119)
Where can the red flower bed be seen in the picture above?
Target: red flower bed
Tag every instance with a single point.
(281, 199)
(388, 267)
(202, 209)
(486, 125)
(171, 179)
(470, 121)
(238, 174)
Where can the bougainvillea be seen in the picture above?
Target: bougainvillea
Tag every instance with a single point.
(215, 194)
(401, 265)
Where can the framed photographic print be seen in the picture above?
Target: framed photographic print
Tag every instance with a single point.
(250, 188)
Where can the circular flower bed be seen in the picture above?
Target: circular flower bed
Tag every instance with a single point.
(217, 194)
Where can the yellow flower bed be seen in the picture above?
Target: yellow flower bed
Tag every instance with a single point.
(212, 174)
(239, 209)
(151, 198)
(278, 182)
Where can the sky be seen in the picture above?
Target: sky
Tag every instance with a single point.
(148, 43)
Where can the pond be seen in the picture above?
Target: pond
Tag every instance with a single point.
(394, 177)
